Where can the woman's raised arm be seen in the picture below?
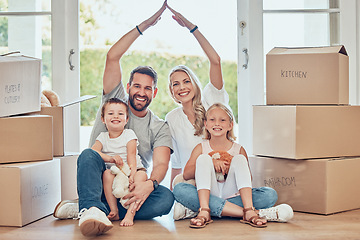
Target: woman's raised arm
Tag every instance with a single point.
(215, 61)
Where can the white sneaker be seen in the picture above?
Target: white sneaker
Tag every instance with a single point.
(67, 209)
(280, 213)
(93, 221)
(182, 212)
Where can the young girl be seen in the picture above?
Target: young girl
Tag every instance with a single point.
(116, 146)
(220, 137)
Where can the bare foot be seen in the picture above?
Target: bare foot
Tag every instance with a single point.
(127, 221)
(113, 216)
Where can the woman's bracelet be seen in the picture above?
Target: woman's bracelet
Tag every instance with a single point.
(137, 27)
(193, 30)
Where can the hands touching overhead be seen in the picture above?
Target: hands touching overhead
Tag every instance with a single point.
(181, 19)
(151, 21)
(157, 16)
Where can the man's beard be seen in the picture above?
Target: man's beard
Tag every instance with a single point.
(138, 107)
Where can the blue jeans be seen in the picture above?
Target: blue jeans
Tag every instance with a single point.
(187, 195)
(90, 168)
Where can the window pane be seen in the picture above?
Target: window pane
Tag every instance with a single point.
(37, 42)
(25, 5)
(297, 30)
(300, 30)
(299, 4)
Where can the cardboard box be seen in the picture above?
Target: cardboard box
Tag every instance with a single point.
(58, 121)
(26, 138)
(317, 75)
(29, 191)
(68, 165)
(303, 132)
(322, 186)
(19, 85)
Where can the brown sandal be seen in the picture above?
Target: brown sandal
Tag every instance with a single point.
(201, 219)
(253, 221)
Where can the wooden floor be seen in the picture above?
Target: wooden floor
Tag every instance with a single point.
(342, 226)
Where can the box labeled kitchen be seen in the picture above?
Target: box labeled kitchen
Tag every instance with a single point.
(312, 75)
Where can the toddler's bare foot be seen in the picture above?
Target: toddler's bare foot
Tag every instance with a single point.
(127, 221)
(113, 216)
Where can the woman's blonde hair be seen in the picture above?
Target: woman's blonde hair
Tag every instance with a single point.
(230, 134)
(199, 109)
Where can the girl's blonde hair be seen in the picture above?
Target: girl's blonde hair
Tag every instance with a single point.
(199, 109)
(230, 134)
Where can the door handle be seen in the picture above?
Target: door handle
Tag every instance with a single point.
(245, 51)
(72, 67)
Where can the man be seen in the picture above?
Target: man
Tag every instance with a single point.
(154, 138)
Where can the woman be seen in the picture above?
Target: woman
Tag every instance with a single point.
(186, 122)
(186, 125)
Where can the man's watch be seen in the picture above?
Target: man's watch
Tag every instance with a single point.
(155, 184)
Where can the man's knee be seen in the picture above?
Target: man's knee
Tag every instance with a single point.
(161, 203)
(168, 197)
(89, 156)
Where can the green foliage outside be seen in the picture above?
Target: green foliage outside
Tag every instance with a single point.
(3, 32)
(3, 25)
(92, 62)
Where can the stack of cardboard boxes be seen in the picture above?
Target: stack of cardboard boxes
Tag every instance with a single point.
(306, 139)
(32, 182)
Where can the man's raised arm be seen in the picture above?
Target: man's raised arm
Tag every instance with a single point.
(112, 73)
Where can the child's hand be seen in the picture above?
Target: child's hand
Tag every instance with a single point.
(117, 160)
(221, 166)
(216, 164)
(131, 177)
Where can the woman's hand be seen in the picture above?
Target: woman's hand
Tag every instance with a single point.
(215, 62)
(151, 21)
(181, 19)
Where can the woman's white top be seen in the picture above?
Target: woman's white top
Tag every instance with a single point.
(182, 131)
